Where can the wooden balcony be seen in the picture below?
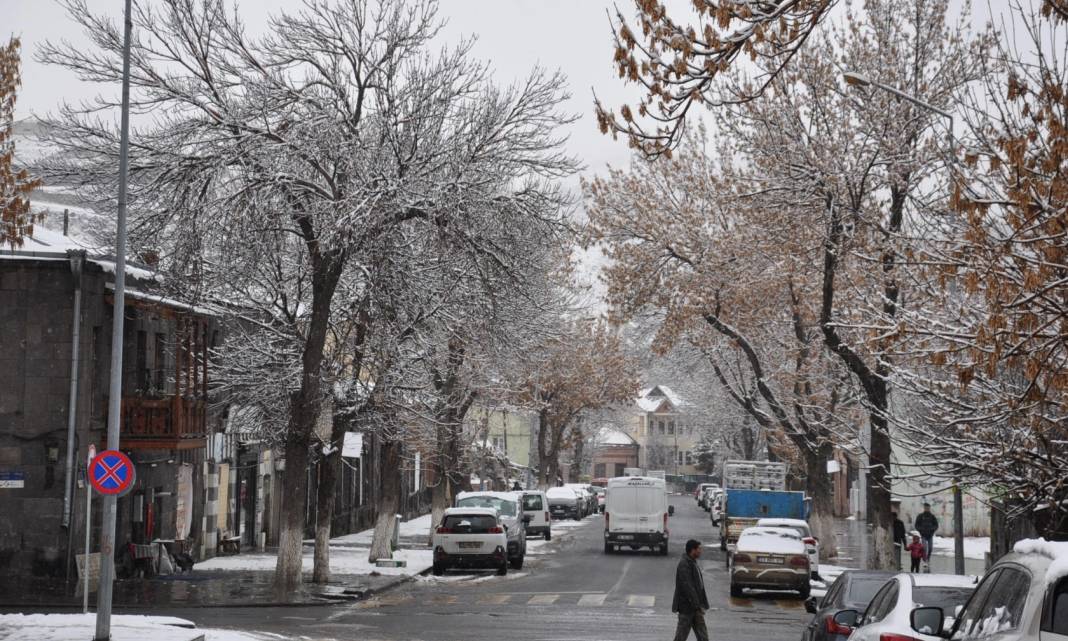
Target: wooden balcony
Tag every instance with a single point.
(163, 423)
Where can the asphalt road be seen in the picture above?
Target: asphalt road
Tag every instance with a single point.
(571, 591)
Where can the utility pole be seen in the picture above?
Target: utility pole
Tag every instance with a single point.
(107, 537)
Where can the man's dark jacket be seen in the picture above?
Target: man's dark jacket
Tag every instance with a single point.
(926, 524)
(899, 531)
(689, 588)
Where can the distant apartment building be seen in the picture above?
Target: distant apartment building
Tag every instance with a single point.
(665, 432)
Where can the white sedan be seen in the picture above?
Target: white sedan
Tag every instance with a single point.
(889, 614)
(812, 544)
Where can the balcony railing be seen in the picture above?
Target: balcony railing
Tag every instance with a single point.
(167, 423)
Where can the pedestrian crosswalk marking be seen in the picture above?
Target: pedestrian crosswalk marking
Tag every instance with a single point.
(494, 599)
(641, 601)
(592, 599)
(543, 599)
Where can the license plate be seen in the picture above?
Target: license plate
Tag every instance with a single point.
(624, 537)
(772, 560)
(469, 545)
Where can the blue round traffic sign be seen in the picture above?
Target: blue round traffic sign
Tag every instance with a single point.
(111, 472)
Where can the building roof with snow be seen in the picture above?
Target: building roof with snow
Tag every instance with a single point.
(659, 398)
(612, 437)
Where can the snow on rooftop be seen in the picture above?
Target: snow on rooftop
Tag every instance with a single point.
(613, 436)
(650, 399)
(1056, 551)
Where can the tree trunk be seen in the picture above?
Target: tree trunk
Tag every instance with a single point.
(290, 539)
(821, 489)
(879, 493)
(388, 501)
(576, 462)
(543, 455)
(324, 512)
(440, 500)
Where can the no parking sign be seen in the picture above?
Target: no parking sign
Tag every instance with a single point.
(111, 473)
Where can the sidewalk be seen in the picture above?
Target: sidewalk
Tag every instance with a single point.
(854, 549)
(79, 627)
(244, 580)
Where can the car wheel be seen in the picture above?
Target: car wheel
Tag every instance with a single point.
(517, 563)
(439, 569)
(503, 570)
(607, 548)
(805, 591)
(548, 535)
(723, 544)
(736, 591)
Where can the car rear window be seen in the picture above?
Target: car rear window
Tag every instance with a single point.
(862, 590)
(532, 502)
(940, 597)
(473, 524)
(503, 507)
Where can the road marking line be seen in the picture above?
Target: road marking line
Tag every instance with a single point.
(592, 599)
(494, 599)
(641, 601)
(543, 599)
(741, 602)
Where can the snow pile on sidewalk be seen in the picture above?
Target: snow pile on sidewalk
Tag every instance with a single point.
(343, 560)
(975, 547)
(79, 627)
(1055, 550)
(417, 527)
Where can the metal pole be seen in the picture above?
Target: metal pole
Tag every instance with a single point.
(77, 260)
(88, 522)
(107, 538)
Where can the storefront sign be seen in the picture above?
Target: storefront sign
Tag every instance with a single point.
(12, 480)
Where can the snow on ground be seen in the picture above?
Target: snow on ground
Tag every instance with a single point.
(975, 547)
(343, 560)
(124, 627)
(416, 527)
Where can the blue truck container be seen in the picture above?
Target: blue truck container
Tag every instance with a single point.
(743, 508)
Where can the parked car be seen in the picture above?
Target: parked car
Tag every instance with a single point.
(564, 503)
(1023, 597)
(601, 493)
(812, 544)
(636, 514)
(707, 496)
(888, 616)
(852, 590)
(511, 515)
(699, 493)
(470, 537)
(717, 508)
(589, 501)
(769, 558)
(536, 506)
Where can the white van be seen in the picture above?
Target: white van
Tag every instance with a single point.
(636, 514)
(536, 506)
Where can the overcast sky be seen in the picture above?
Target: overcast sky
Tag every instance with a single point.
(513, 35)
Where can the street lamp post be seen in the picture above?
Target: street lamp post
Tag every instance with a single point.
(860, 80)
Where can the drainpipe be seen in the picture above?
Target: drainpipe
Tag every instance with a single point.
(77, 262)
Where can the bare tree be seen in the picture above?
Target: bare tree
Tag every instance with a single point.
(16, 219)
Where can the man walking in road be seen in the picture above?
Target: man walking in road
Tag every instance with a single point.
(899, 538)
(927, 525)
(690, 600)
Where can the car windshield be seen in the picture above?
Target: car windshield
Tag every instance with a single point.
(941, 597)
(863, 589)
(504, 507)
(470, 523)
(532, 502)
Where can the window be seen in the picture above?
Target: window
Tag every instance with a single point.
(996, 607)
(503, 507)
(142, 362)
(863, 590)
(671, 427)
(660, 426)
(532, 503)
(473, 524)
(833, 594)
(883, 603)
(159, 364)
(689, 457)
(598, 470)
(1056, 619)
(940, 597)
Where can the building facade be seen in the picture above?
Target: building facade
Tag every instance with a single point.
(665, 432)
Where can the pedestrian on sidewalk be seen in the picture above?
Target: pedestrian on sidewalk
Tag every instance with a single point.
(690, 601)
(927, 525)
(899, 539)
(916, 553)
